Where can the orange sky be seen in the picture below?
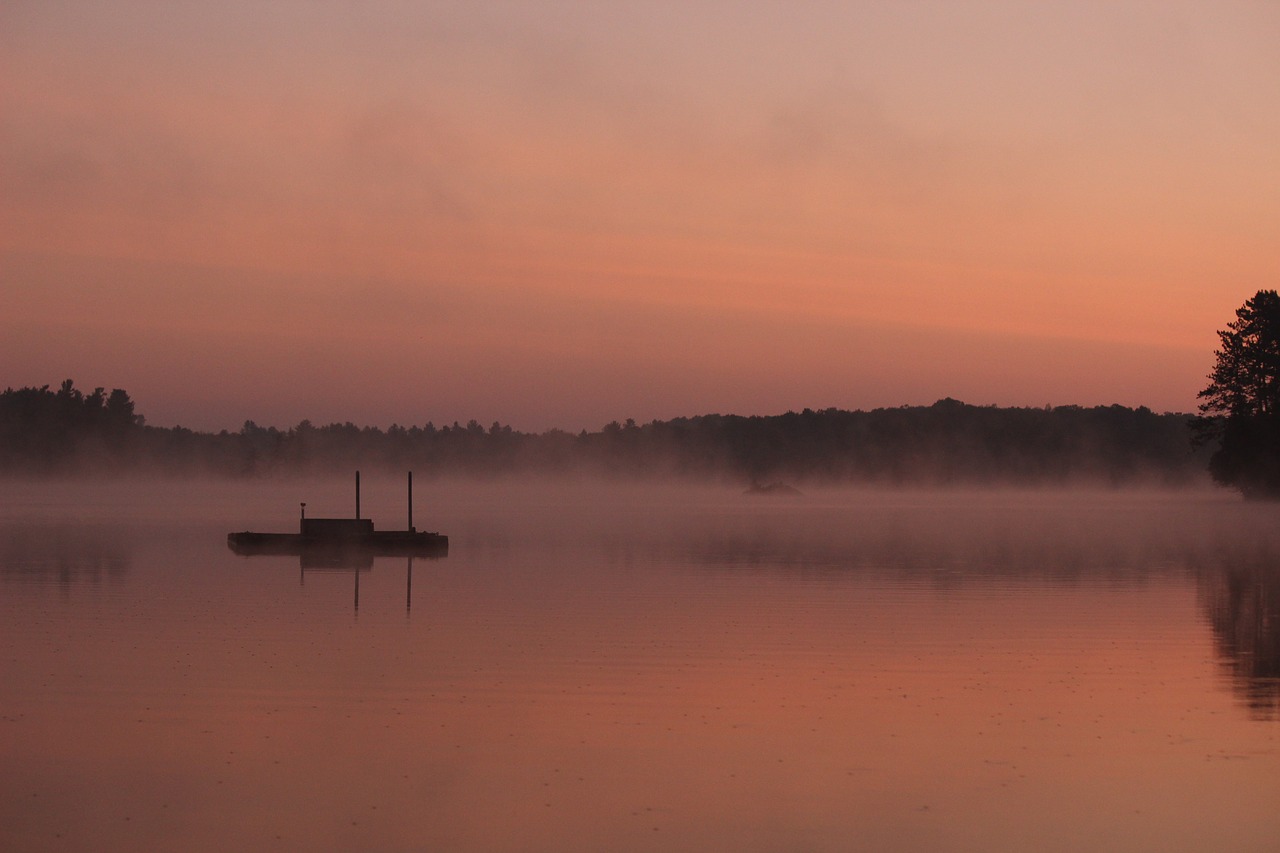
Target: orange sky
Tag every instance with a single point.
(560, 214)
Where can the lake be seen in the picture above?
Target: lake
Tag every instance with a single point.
(636, 668)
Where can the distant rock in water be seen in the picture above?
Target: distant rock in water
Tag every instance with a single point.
(781, 489)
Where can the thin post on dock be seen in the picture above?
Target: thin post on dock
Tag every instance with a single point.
(357, 494)
(410, 501)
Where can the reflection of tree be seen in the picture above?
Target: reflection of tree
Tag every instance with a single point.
(1239, 587)
(44, 551)
(1242, 600)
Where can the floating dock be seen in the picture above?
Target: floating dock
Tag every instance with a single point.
(320, 535)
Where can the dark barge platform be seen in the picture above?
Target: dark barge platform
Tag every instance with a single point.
(386, 542)
(343, 535)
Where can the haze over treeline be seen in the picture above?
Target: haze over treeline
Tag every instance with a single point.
(68, 432)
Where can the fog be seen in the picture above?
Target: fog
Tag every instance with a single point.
(945, 533)
(596, 661)
(68, 433)
(949, 539)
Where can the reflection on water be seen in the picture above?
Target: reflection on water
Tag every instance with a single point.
(354, 564)
(1241, 595)
(652, 672)
(66, 553)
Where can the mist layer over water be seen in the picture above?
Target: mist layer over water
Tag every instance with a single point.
(620, 668)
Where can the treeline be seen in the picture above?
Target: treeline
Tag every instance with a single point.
(50, 431)
(67, 432)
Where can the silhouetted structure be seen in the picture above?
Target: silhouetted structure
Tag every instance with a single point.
(326, 536)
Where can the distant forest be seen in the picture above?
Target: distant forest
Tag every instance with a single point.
(67, 432)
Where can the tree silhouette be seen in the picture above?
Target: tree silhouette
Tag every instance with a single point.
(1241, 405)
(64, 431)
(43, 431)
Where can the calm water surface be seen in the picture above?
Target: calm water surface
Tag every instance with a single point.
(641, 669)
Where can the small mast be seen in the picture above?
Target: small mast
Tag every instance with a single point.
(410, 501)
(357, 494)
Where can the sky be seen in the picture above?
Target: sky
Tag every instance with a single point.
(558, 214)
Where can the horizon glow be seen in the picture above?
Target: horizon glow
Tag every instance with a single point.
(560, 215)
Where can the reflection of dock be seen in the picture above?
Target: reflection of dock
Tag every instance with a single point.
(322, 540)
(325, 560)
(357, 564)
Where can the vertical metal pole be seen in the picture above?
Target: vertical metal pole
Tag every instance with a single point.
(410, 501)
(357, 494)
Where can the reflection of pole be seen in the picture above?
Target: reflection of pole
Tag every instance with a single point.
(357, 494)
(357, 588)
(408, 587)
